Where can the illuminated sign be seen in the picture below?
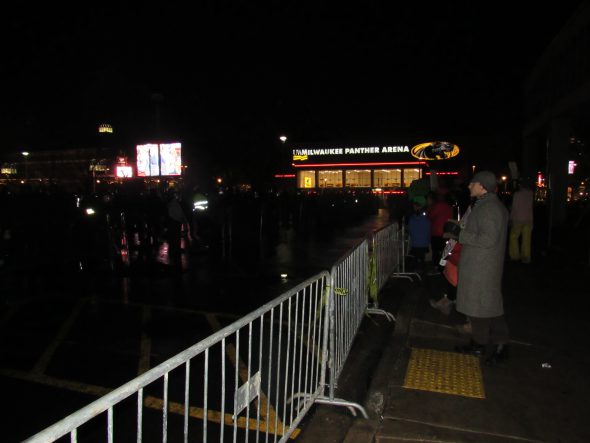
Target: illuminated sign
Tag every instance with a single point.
(170, 162)
(98, 167)
(159, 159)
(8, 170)
(304, 153)
(124, 171)
(571, 167)
(437, 150)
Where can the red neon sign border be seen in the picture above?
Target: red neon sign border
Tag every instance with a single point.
(318, 165)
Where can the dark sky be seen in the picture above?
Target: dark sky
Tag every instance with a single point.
(227, 74)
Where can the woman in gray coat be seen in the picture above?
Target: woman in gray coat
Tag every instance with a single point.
(479, 289)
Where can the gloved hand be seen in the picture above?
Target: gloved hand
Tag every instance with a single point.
(451, 229)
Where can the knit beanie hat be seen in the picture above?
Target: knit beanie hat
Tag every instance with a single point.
(487, 179)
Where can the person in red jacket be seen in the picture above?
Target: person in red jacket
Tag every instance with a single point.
(451, 254)
(438, 212)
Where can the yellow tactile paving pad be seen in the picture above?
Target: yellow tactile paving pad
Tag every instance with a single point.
(445, 372)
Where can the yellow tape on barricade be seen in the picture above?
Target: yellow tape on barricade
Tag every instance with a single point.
(372, 278)
(340, 291)
(337, 291)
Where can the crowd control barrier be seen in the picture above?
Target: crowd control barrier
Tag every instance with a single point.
(386, 252)
(255, 379)
(252, 380)
(402, 254)
(347, 305)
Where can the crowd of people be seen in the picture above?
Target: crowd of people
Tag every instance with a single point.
(110, 228)
(467, 246)
(463, 233)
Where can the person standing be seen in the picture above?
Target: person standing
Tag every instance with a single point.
(481, 265)
(521, 223)
(419, 231)
(439, 211)
(176, 220)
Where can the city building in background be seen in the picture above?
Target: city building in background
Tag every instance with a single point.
(374, 166)
(556, 136)
(66, 167)
(87, 169)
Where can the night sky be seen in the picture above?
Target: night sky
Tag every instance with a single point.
(230, 77)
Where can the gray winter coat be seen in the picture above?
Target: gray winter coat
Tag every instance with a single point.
(479, 292)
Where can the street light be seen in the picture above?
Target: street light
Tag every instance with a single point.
(26, 155)
(283, 156)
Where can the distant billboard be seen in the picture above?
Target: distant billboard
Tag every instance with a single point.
(159, 159)
(170, 163)
(123, 171)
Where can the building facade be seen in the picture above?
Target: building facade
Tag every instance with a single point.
(557, 114)
(366, 166)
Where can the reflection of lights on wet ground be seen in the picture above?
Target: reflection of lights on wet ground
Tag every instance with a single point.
(163, 255)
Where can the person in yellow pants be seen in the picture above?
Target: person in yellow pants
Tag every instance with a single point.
(521, 223)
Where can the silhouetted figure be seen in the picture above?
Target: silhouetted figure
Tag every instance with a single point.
(419, 230)
(521, 223)
(175, 222)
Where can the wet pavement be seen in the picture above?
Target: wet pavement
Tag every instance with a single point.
(538, 395)
(69, 338)
(59, 347)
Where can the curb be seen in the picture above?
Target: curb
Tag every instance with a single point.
(378, 390)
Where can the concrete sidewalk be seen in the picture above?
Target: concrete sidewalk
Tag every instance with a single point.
(539, 394)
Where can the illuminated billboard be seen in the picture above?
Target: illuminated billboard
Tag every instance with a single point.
(159, 159)
(170, 163)
(124, 171)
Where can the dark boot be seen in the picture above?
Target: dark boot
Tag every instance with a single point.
(472, 348)
(499, 355)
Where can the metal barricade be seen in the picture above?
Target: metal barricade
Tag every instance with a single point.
(402, 250)
(383, 261)
(348, 304)
(386, 252)
(252, 380)
(257, 377)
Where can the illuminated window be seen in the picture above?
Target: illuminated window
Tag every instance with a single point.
(330, 179)
(8, 170)
(410, 175)
(306, 179)
(105, 128)
(358, 178)
(387, 178)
